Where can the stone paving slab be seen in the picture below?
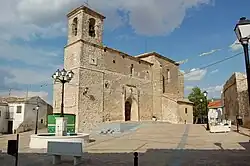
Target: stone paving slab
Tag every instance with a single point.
(158, 145)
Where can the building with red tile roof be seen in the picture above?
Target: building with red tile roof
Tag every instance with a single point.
(215, 104)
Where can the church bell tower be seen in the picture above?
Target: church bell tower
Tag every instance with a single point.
(85, 24)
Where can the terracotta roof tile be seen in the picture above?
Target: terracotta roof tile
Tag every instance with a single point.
(215, 104)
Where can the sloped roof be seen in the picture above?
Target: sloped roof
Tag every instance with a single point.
(157, 55)
(184, 101)
(12, 99)
(3, 102)
(215, 104)
(19, 99)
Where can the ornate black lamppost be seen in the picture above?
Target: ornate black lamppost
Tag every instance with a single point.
(63, 77)
(36, 109)
(205, 95)
(242, 30)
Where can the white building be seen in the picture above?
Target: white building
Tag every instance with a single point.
(4, 108)
(21, 113)
(215, 113)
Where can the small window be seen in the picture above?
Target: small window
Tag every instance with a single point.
(74, 26)
(113, 61)
(42, 121)
(19, 109)
(168, 75)
(186, 110)
(131, 69)
(106, 85)
(92, 27)
(163, 84)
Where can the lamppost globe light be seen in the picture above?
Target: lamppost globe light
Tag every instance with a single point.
(70, 74)
(54, 76)
(242, 30)
(63, 72)
(37, 107)
(57, 73)
(205, 93)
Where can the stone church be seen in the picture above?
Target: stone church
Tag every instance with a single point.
(110, 85)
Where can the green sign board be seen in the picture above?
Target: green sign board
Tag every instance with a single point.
(70, 122)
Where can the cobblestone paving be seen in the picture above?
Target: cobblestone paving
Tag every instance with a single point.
(157, 144)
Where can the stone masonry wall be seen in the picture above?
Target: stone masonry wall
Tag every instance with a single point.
(236, 97)
(170, 109)
(118, 77)
(231, 105)
(172, 87)
(156, 80)
(181, 85)
(241, 82)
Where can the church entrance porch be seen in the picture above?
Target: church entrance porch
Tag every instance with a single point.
(131, 110)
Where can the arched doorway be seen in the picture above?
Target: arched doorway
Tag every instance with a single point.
(128, 110)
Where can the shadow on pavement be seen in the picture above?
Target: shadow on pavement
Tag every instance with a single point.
(152, 157)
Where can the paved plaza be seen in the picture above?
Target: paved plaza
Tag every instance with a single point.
(158, 144)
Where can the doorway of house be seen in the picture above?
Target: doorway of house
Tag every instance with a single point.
(10, 126)
(127, 111)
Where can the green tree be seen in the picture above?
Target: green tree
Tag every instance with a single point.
(199, 100)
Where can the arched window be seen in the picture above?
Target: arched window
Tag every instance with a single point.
(92, 27)
(168, 75)
(74, 26)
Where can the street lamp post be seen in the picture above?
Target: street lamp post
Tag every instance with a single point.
(242, 31)
(205, 95)
(201, 116)
(36, 109)
(63, 77)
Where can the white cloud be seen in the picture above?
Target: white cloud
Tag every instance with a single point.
(195, 74)
(44, 95)
(210, 52)
(235, 46)
(182, 71)
(216, 88)
(28, 55)
(214, 91)
(189, 88)
(28, 76)
(45, 18)
(214, 71)
(183, 61)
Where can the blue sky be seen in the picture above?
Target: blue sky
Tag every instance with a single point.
(32, 38)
